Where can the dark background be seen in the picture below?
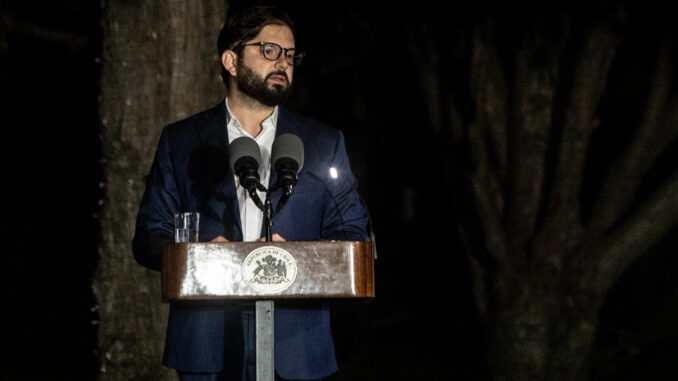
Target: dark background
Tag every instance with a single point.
(357, 78)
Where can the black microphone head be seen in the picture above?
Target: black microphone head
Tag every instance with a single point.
(244, 154)
(245, 159)
(287, 153)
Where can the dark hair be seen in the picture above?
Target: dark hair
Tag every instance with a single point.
(246, 24)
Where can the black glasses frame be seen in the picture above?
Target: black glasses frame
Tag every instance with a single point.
(294, 60)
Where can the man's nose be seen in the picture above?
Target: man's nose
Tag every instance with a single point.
(281, 62)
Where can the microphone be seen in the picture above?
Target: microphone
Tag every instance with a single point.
(244, 159)
(287, 157)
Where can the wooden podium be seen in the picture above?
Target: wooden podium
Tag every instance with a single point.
(264, 272)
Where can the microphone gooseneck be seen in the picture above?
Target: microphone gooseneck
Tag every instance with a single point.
(344, 223)
(373, 237)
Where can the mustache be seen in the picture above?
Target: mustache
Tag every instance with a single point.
(280, 72)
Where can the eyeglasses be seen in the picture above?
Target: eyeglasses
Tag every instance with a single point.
(272, 51)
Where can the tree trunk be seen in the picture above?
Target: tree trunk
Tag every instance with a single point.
(542, 330)
(159, 64)
(541, 266)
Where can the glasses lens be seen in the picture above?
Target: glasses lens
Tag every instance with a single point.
(271, 51)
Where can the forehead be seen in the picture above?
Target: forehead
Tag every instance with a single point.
(280, 34)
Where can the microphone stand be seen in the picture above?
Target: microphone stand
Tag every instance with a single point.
(267, 207)
(265, 309)
(268, 217)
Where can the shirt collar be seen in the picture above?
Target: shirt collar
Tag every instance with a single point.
(235, 129)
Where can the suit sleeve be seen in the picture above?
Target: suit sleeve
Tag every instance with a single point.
(155, 221)
(344, 217)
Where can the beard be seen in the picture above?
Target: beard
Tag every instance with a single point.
(256, 87)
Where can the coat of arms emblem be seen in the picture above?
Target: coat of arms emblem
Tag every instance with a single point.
(269, 269)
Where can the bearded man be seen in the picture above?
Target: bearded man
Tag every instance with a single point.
(191, 173)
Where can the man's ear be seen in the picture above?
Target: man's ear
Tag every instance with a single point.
(229, 59)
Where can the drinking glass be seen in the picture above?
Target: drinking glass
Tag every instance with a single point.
(186, 227)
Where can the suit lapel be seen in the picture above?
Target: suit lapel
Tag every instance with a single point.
(287, 124)
(214, 137)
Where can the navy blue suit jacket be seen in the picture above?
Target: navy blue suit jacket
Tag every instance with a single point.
(191, 173)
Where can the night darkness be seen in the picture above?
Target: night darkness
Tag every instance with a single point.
(422, 322)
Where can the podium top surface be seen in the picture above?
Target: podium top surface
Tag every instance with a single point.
(267, 270)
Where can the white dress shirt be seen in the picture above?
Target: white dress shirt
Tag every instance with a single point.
(251, 217)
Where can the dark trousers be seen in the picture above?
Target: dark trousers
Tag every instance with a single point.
(234, 372)
(183, 376)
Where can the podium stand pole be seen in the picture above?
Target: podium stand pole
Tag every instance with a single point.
(264, 317)
(264, 311)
